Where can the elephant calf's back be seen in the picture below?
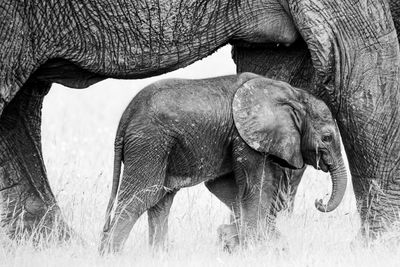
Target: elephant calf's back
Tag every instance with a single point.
(192, 120)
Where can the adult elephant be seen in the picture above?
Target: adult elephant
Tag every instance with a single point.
(79, 43)
(356, 72)
(353, 48)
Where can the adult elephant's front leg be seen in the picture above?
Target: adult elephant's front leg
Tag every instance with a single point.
(26, 198)
(367, 110)
(373, 150)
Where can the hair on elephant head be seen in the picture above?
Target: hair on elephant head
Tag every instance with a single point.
(293, 127)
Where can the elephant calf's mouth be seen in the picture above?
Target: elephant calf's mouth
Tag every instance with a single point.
(322, 166)
(325, 162)
(322, 163)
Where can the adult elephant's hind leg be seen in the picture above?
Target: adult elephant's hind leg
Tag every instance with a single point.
(158, 221)
(27, 203)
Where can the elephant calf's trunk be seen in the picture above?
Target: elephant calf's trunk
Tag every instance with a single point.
(339, 183)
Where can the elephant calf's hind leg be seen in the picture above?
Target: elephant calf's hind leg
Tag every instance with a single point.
(141, 188)
(158, 221)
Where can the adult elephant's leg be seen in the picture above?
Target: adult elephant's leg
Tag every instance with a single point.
(158, 221)
(290, 64)
(376, 177)
(357, 74)
(26, 198)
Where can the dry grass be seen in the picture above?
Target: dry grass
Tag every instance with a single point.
(78, 136)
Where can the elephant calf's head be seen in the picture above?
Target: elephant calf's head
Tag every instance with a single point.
(292, 126)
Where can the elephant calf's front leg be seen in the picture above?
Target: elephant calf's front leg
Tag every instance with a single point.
(289, 181)
(226, 190)
(259, 187)
(257, 219)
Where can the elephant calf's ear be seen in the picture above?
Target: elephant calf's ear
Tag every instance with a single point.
(266, 124)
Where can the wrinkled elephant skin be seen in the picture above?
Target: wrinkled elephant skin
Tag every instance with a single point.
(233, 133)
(351, 58)
(357, 75)
(80, 43)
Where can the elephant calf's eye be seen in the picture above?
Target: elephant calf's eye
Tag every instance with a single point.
(327, 138)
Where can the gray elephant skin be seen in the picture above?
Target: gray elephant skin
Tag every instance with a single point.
(344, 51)
(80, 43)
(228, 132)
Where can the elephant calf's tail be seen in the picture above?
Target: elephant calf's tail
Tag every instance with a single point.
(115, 183)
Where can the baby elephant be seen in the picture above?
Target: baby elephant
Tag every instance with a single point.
(229, 132)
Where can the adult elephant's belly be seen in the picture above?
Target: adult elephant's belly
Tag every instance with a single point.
(189, 168)
(67, 73)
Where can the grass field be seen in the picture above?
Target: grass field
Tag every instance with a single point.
(78, 135)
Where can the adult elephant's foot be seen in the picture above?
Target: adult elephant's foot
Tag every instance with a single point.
(228, 237)
(379, 207)
(28, 206)
(376, 184)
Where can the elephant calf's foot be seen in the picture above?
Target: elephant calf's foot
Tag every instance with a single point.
(230, 240)
(277, 241)
(228, 236)
(104, 247)
(108, 243)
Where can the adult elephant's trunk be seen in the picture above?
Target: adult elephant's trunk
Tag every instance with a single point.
(339, 182)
